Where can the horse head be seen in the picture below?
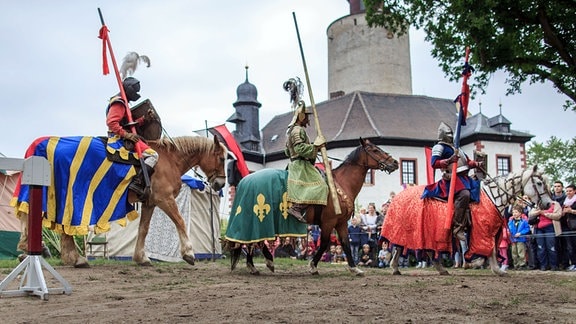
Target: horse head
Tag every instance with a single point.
(214, 166)
(536, 186)
(376, 158)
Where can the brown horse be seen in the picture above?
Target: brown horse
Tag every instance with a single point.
(415, 223)
(348, 179)
(176, 156)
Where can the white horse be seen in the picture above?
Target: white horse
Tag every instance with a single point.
(415, 223)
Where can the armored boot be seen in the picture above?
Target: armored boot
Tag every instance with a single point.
(298, 211)
(459, 224)
(138, 183)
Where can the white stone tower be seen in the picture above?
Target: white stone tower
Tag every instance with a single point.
(366, 59)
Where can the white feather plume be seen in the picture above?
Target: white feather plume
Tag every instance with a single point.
(130, 64)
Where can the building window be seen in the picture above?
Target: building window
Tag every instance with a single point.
(369, 180)
(502, 165)
(408, 171)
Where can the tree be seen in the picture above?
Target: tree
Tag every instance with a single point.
(531, 40)
(556, 157)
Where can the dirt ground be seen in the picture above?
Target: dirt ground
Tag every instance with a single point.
(122, 292)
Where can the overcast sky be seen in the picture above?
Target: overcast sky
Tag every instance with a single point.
(51, 79)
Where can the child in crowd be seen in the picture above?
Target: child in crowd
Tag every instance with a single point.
(384, 256)
(339, 255)
(518, 227)
(503, 248)
(328, 255)
(354, 233)
(366, 256)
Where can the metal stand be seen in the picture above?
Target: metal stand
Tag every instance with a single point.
(36, 174)
(32, 281)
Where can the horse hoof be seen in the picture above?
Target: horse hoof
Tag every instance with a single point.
(255, 273)
(145, 264)
(82, 265)
(270, 265)
(189, 259)
(356, 271)
(314, 272)
(443, 273)
(396, 273)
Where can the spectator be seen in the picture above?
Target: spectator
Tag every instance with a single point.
(547, 227)
(384, 256)
(45, 251)
(339, 255)
(503, 248)
(370, 223)
(559, 195)
(568, 224)
(328, 255)
(354, 233)
(518, 226)
(366, 256)
(286, 250)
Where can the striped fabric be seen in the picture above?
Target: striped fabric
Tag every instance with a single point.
(86, 190)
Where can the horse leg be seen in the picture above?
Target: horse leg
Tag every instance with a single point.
(342, 230)
(268, 256)
(140, 256)
(250, 260)
(235, 252)
(69, 254)
(437, 264)
(396, 251)
(168, 205)
(494, 264)
(324, 242)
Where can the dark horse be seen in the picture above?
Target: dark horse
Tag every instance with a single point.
(176, 156)
(348, 179)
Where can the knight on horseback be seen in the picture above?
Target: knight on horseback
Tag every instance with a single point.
(119, 131)
(467, 189)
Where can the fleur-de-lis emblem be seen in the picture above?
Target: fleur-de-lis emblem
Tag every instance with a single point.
(285, 205)
(238, 210)
(261, 208)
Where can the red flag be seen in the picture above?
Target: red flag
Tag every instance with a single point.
(224, 135)
(103, 35)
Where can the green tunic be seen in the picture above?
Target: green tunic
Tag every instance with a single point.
(305, 184)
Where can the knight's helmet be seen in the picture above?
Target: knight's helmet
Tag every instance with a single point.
(131, 87)
(445, 133)
(295, 88)
(130, 84)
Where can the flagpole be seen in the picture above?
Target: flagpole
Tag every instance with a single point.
(462, 104)
(327, 166)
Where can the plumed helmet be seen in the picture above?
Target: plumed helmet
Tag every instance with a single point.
(131, 88)
(445, 133)
(300, 113)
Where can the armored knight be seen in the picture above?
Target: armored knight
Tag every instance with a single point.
(119, 133)
(466, 188)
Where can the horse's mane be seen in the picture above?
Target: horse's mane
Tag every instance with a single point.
(186, 144)
(353, 156)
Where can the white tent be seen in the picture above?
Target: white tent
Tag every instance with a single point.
(9, 224)
(200, 211)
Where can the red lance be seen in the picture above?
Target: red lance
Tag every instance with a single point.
(462, 105)
(106, 44)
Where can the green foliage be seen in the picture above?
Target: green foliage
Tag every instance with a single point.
(556, 157)
(532, 41)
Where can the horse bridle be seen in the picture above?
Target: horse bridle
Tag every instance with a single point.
(381, 164)
(540, 194)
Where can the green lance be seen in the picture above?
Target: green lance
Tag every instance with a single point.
(333, 193)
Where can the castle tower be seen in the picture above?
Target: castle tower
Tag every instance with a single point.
(366, 59)
(247, 117)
